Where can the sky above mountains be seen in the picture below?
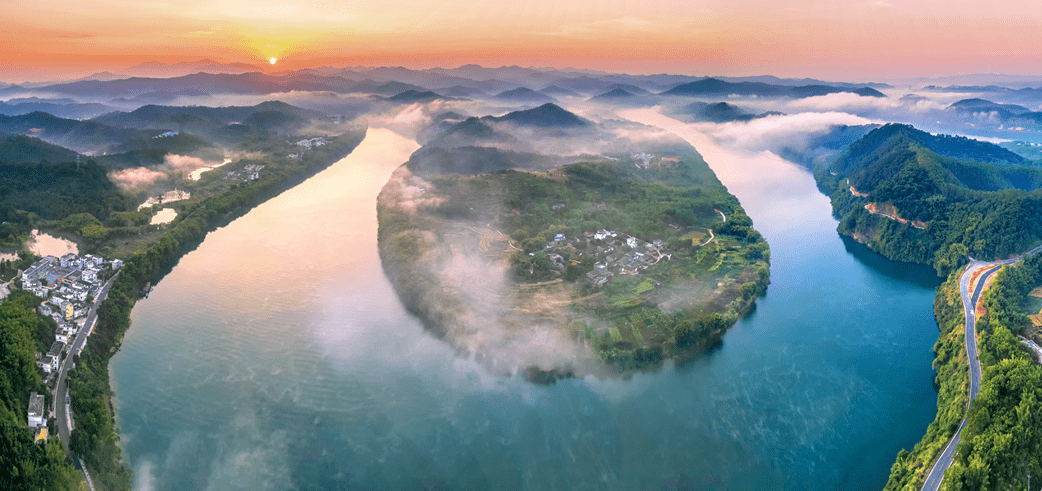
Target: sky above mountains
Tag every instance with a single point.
(832, 39)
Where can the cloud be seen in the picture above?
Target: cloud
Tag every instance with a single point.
(853, 103)
(768, 132)
(137, 176)
(182, 162)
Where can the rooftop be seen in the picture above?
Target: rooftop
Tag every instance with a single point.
(36, 404)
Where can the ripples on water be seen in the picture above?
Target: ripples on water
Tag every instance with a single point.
(276, 356)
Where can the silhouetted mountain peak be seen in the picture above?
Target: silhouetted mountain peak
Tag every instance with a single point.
(546, 116)
(615, 93)
(415, 96)
(523, 94)
(980, 105)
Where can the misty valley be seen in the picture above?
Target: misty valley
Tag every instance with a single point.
(518, 278)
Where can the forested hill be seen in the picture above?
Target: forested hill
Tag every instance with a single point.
(15, 149)
(71, 133)
(934, 199)
(950, 146)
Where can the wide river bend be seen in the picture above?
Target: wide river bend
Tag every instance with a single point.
(276, 356)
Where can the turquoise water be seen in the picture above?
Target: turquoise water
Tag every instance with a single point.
(276, 356)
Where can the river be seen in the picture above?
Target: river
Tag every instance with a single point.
(276, 356)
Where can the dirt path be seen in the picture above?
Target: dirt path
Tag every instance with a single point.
(711, 236)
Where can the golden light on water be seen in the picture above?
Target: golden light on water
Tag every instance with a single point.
(272, 60)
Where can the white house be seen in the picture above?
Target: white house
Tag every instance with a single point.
(36, 410)
(69, 260)
(48, 363)
(58, 302)
(89, 275)
(38, 270)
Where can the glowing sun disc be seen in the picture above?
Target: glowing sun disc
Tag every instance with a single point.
(272, 60)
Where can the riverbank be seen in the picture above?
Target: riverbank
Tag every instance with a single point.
(95, 438)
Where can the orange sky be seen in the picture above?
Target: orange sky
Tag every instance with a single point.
(834, 39)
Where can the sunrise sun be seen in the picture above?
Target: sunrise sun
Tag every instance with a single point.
(272, 60)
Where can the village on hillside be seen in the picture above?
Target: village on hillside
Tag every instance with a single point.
(68, 286)
(612, 255)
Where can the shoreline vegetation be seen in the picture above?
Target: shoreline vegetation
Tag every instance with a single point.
(585, 269)
(95, 437)
(935, 200)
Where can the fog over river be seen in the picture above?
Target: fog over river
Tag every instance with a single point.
(276, 356)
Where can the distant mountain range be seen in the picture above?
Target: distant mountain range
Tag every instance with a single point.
(984, 112)
(717, 87)
(558, 91)
(224, 125)
(158, 69)
(81, 136)
(164, 83)
(64, 108)
(113, 131)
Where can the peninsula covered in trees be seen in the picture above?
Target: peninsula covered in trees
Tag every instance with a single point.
(567, 263)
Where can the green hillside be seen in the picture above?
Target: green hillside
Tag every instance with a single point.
(947, 196)
(20, 148)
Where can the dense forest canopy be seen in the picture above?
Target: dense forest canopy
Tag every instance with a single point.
(23, 463)
(984, 208)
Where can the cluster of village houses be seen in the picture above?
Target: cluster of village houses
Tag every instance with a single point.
(250, 172)
(308, 144)
(66, 284)
(652, 160)
(613, 254)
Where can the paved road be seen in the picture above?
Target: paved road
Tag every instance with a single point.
(60, 389)
(936, 476)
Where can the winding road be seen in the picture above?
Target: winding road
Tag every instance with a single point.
(936, 475)
(61, 409)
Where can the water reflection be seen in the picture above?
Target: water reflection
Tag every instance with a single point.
(43, 244)
(924, 276)
(166, 215)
